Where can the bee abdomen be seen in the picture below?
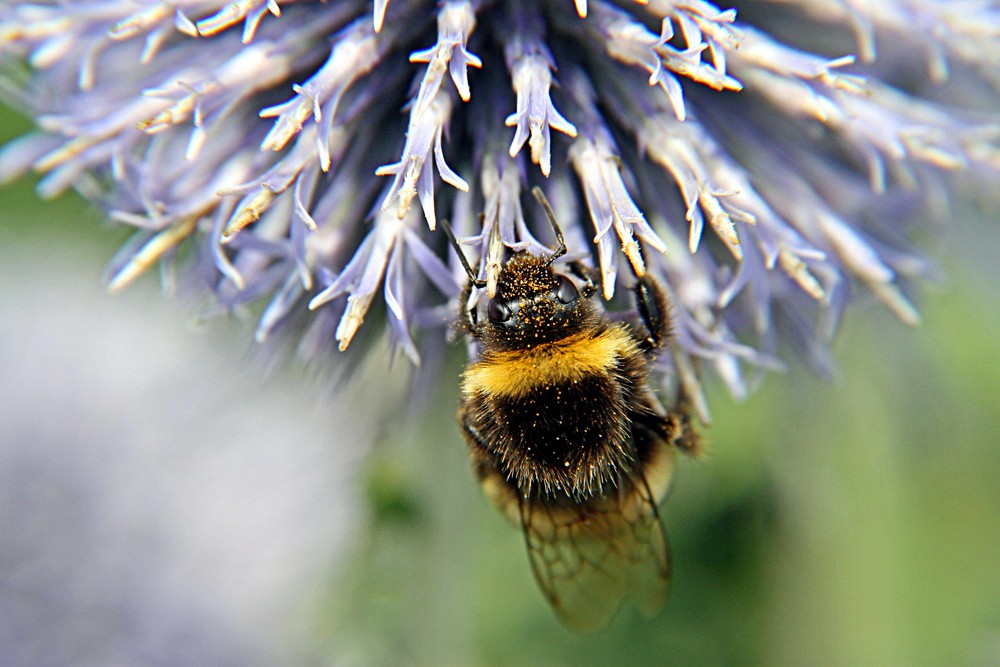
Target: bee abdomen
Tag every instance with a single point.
(568, 437)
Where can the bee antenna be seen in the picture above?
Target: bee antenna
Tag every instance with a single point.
(478, 282)
(561, 250)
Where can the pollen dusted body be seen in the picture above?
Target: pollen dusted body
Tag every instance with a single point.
(551, 402)
(567, 438)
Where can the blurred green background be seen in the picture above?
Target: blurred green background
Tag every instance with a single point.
(845, 522)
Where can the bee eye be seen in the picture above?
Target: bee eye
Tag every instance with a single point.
(498, 311)
(567, 290)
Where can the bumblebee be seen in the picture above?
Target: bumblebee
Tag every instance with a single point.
(567, 437)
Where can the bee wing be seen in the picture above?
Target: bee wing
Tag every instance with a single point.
(588, 558)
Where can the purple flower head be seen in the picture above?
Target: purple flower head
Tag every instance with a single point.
(270, 153)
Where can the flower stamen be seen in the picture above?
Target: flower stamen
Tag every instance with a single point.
(456, 21)
(414, 174)
(531, 66)
(151, 251)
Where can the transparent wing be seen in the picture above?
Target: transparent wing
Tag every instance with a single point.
(588, 558)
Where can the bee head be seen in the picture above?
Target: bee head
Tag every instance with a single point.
(533, 305)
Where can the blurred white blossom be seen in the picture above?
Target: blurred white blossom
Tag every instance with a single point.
(766, 182)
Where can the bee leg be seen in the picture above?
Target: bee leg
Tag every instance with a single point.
(502, 492)
(653, 308)
(467, 323)
(587, 275)
(675, 428)
(477, 445)
(683, 434)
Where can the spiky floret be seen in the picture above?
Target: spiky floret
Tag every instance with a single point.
(758, 180)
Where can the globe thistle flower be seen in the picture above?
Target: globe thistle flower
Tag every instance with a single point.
(292, 160)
